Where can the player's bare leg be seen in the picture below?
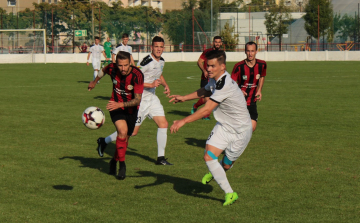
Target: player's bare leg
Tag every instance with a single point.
(254, 124)
(162, 124)
(218, 173)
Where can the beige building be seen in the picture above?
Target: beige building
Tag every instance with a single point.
(15, 6)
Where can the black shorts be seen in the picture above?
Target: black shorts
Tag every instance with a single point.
(253, 112)
(130, 119)
(203, 83)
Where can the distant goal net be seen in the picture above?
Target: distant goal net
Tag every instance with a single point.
(23, 45)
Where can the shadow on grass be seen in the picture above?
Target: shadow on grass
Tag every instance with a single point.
(86, 82)
(181, 185)
(102, 164)
(63, 187)
(102, 98)
(196, 142)
(181, 113)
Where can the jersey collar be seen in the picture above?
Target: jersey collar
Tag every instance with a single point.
(221, 76)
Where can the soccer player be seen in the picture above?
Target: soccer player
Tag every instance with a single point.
(217, 43)
(233, 129)
(152, 67)
(250, 76)
(123, 47)
(96, 50)
(107, 48)
(128, 86)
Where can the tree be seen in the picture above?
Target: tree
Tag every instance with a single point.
(277, 21)
(311, 17)
(230, 41)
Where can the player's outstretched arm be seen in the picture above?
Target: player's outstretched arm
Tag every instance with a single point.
(92, 84)
(258, 94)
(166, 87)
(112, 105)
(209, 106)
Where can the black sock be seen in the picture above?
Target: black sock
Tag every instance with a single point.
(160, 158)
(122, 164)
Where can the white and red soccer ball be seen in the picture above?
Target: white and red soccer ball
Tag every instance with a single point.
(93, 117)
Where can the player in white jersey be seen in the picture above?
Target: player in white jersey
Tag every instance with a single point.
(123, 47)
(150, 106)
(233, 129)
(96, 50)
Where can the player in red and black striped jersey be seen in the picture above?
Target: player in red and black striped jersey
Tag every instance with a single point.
(250, 76)
(202, 63)
(128, 86)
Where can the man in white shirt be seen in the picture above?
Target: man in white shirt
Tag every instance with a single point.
(96, 50)
(123, 47)
(152, 67)
(233, 129)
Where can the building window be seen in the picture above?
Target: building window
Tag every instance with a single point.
(49, 1)
(43, 0)
(11, 2)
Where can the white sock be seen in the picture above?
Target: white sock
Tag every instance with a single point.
(95, 74)
(219, 175)
(111, 138)
(161, 141)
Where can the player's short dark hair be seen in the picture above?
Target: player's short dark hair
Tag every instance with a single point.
(157, 39)
(217, 54)
(217, 37)
(125, 35)
(96, 37)
(250, 43)
(122, 55)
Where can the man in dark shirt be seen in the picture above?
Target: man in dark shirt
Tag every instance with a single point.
(128, 86)
(250, 76)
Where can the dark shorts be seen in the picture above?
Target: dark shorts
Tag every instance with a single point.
(253, 112)
(203, 83)
(130, 119)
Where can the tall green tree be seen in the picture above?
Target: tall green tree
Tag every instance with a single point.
(229, 40)
(277, 21)
(311, 17)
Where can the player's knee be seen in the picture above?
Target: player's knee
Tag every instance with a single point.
(208, 156)
(122, 134)
(163, 124)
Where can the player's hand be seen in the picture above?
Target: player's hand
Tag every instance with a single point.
(157, 82)
(206, 74)
(92, 84)
(112, 105)
(176, 99)
(87, 63)
(244, 92)
(177, 125)
(258, 96)
(167, 91)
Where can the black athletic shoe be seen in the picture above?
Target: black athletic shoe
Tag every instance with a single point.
(112, 170)
(101, 146)
(122, 173)
(162, 161)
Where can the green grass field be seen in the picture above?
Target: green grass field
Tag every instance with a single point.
(302, 164)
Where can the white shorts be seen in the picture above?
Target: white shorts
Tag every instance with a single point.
(150, 107)
(96, 64)
(233, 144)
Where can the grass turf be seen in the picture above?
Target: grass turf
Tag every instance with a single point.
(300, 166)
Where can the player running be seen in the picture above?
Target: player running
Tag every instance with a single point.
(233, 129)
(123, 47)
(250, 76)
(217, 43)
(96, 50)
(128, 85)
(107, 48)
(152, 67)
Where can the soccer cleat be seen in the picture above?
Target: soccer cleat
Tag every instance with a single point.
(206, 118)
(101, 146)
(193, 110)
(122, 173)
(207, 178)
(162, 161)
(112, 170)
(230, 198)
